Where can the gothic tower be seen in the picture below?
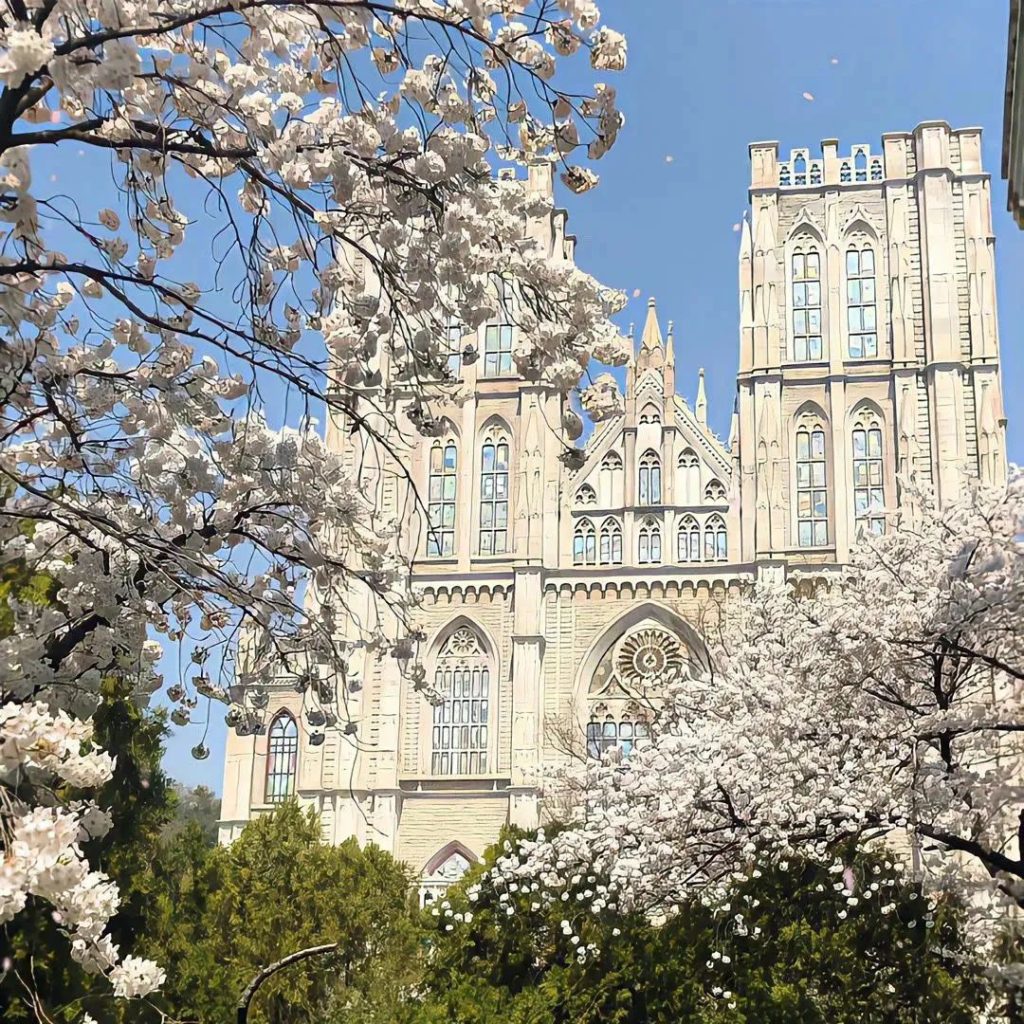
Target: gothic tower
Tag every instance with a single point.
(869, 346)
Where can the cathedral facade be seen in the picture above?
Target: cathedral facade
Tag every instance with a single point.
(556, 592)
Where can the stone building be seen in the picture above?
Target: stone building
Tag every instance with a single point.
(555, 595)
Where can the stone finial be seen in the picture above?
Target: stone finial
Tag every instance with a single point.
(701, 405)
(670, 343)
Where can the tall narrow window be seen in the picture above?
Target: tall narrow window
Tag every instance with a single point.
(812, 491)
(459, 731)
(498, 338)
(806, 306)
(584, 543)
(860, 303)
(282, 759)
(689, 540)
(610, 480)
(650, 479)
(444, 460)
(716, 547)
(868, 487)
(689, 476)
(611, 542)
(494, 496)
(649, 543)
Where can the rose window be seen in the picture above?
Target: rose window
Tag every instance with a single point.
(649, 657)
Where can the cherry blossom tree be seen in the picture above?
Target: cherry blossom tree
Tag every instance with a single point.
(341, 156)
(877, 701)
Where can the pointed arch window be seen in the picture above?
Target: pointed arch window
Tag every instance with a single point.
(494, 495)
(845, 172)
(862, 341)
(689, 473)
(441, 490)
(806, 305)
(282, 758)
(650, 479)
(585, 496)
(651, 414)
(688, 540)
(584, 543)
(610, 480)
(611, 542)
(459, 733)
(716, 546)
(812, 487)
(860, 164)
(714, 493)
(868, 476)
(800, 170)
(649, 543)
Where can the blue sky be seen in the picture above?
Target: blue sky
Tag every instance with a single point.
(707, 77)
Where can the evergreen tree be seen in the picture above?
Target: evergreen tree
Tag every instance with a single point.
(798, 954)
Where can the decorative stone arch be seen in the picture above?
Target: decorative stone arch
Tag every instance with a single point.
(604, 706)
(444, 869)
(641, 612)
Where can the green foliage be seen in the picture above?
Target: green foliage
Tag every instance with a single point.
(806, 965)
(224, 913)
(194, 804)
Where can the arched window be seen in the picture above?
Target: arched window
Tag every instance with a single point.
(441, 488)
(868, 478)
(806, 305)
(845, 172)
(860, 303)
(494, 495)
(282, 758)
(689, 540)
(716, 547)
(611, 542)
(784, 175)
(800, 170)
(689, 476)
(860, 165)
(585, 496)
(649, 543)
(714, 493)
(458, 741)
(584, 543)
(650, 479)
(876, 169)
(651, 414)
(611, 480)
(811, 487)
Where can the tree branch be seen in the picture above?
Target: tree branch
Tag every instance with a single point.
(242, 1009)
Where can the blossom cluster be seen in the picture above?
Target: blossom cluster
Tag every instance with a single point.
(346, 153)
(879, 701)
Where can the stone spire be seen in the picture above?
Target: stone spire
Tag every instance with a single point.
(701, 405)
(651, 338)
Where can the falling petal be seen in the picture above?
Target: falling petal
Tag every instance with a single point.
(809, 96)
(636, 293)
(835, 60)
(735, 227)
(54, 117)
(53, 177)
(669, 159)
